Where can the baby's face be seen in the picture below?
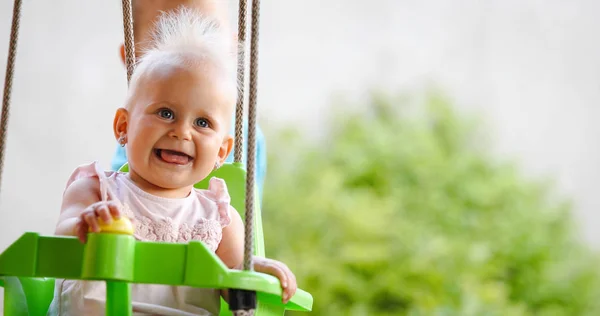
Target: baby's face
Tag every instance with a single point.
(178, 126)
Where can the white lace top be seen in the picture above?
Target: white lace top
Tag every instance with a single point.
(200, 216)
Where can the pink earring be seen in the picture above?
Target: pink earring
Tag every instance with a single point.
(217, 165)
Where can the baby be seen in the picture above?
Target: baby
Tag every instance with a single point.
(175, 128)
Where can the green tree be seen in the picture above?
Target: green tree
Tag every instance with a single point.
(402, 212)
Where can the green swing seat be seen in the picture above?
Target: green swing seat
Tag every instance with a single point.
(29, 266)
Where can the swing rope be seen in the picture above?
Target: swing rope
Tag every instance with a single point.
(10, 69)
(250, 157)
(245, 301)
(239, 109)
(129, 40)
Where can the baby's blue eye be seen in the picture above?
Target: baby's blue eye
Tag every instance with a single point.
(201, 122)
(166, 114)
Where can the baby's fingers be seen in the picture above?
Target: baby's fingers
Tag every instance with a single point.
(279, 271)
(103, 212)
(92, 222)
(108, 211)
(114, 209)
(289, 288)
(276, 271)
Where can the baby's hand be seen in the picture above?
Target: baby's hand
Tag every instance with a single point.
(279, 270)
(104, 210)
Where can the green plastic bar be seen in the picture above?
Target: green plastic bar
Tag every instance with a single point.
(118, 298)
(191, 264)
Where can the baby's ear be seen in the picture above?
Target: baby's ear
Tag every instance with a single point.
(225, 148)
(120, 122)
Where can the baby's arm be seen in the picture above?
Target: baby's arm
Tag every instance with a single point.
(81, 207)
(231, 248)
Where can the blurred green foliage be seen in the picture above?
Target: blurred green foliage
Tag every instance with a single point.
(401, 211)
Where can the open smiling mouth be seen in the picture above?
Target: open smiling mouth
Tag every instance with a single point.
(173, 157)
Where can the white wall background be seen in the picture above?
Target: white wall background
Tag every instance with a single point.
(531, 67)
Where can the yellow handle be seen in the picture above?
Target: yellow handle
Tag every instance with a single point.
(117, 226)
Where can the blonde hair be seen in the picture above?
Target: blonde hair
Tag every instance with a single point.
(185, 38)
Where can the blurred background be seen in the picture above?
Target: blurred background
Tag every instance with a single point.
(438, 157)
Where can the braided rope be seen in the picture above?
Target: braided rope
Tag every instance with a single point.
(129, 42)
(10, 69)
(239, 110)
(249, 227)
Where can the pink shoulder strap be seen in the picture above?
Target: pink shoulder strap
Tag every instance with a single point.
(93, 170)
(218, 189)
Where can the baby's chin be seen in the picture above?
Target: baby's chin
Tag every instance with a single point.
(175, 182)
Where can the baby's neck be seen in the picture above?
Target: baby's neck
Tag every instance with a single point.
(150, 188)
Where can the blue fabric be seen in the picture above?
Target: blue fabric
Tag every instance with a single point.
(120, 157)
